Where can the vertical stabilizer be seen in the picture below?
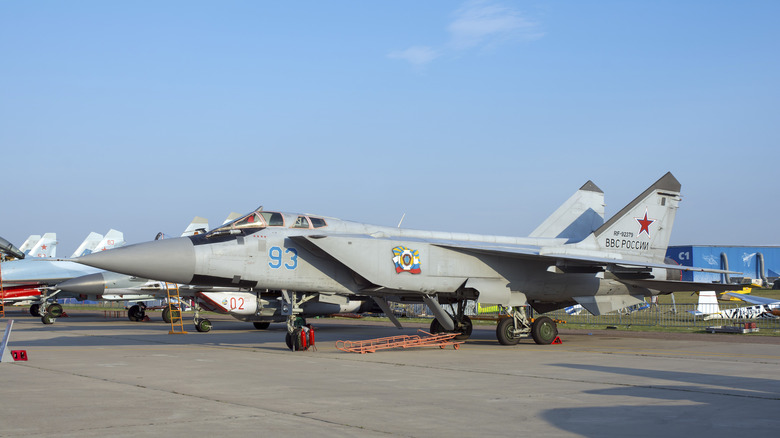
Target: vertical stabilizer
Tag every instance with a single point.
(642, 229)
(88, 245)
(29, 243)
(231, 217)
(198, 225)
(46, 247)
(708, 303)
(113, 239)
(576, 218)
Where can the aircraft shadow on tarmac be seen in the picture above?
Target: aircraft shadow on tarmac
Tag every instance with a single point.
(88, 331)
(699, 404)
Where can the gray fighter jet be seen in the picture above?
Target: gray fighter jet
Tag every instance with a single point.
(571, 259)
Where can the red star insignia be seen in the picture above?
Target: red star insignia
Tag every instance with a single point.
(43, 247)
(644, 224)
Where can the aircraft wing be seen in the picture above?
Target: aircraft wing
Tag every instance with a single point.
(584, 260)
(752, 299)
(677, 286)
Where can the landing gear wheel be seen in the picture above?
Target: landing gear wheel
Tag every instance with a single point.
(203, 326)
(261, 325)
(544, 330)
(34, 309)
(288, 340)
(166, 315)
(54, 309)
(464, 328)
(436, 327)
(47, 319)
(505, 332)
(135, 313)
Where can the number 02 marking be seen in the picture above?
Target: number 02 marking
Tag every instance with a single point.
(290, 254)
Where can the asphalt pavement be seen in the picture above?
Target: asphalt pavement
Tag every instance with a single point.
(93, 376)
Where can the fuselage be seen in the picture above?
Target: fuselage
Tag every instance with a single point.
(272, 251)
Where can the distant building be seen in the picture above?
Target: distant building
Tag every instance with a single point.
(755, 262)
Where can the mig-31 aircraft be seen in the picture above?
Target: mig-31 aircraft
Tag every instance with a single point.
(572, 258)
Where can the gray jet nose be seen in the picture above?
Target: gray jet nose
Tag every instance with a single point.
(92, 284)
(166, 260)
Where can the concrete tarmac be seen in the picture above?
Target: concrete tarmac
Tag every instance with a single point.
(91, 376)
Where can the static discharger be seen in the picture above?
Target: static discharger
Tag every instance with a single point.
(440, 340)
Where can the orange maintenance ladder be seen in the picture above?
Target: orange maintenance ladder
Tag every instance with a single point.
(440, 340)
(177, 322)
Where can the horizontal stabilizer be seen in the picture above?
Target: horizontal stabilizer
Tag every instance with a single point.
(752, 299)
(669, 286)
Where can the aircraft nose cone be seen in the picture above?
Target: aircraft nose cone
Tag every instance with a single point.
(92, 284)
(167, 260)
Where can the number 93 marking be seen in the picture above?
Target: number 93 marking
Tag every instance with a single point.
(277, 259)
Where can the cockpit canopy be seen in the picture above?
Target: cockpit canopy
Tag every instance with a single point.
(259, 219)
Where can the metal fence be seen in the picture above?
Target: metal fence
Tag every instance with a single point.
(655, 315)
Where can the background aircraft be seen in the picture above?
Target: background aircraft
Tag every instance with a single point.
(46, 246)
(29, 243)
(31, 278)
(612, 267)
(762, 307)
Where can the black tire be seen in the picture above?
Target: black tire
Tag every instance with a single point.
(34, 308)
(203, 326)
(504, 332)
(47, 319)
(166, 314)
(132, 313)
(436, 327)
(288, 341)
(261, 325)
(544, 330)
(465, 329)
(54, 309)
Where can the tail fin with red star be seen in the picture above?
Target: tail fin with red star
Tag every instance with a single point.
(641, 230)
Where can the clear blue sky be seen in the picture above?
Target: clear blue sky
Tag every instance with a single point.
(467, 116)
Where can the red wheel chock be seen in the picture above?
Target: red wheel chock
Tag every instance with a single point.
(557, 340)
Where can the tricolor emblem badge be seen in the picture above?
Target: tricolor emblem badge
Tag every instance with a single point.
(406, 260)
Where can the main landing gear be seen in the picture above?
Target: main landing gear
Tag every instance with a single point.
(510, 330)
(49, 311)
(462, 323)
(171, 314)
